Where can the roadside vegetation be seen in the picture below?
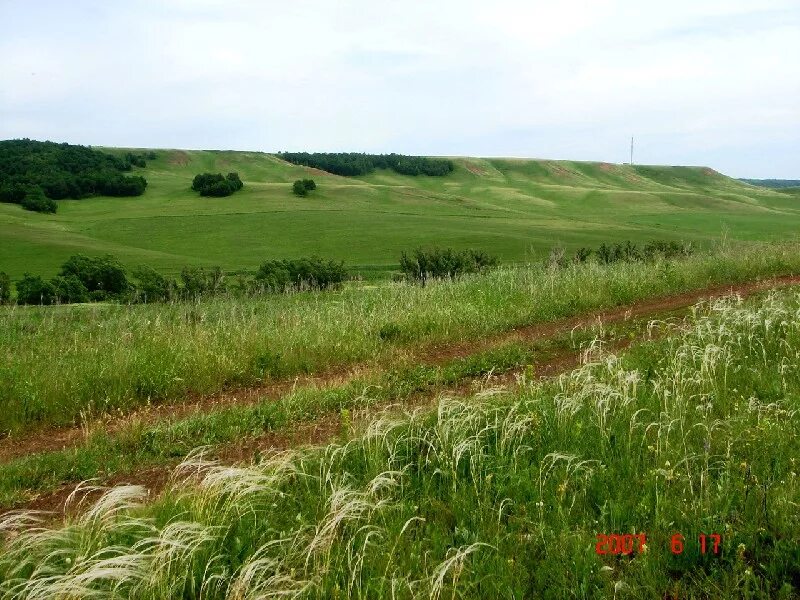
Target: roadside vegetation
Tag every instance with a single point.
(105, 279)
(441, 263)
(137, 444)
(498, 495)
(67, 362)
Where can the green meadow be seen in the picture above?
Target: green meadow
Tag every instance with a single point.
(516, 209)
(502, 494)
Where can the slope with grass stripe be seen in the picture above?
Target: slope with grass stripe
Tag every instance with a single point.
(514, 208)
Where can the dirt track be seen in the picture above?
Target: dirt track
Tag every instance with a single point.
(328, 427)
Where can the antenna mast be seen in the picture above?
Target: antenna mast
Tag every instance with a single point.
(631, 150)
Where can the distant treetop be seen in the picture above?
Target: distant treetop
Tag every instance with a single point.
(354, 163)
(773, 183)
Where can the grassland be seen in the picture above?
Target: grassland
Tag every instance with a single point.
(69, 363)
(516, 209)
(499, 495)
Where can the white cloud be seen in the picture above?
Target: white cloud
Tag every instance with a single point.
(569, 79)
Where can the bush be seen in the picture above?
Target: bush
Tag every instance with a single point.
(299, 188)
(36, 201)
(120, 186)
(152, 286)
(197, 282)
(98, 296)
(312, 273)
(215, 185)
(5, 288)
(628, 251)
(32, 289)
(422, 265)
(234, 182)
(103, 273)
(138, 160)
(69, 289)
(218, 189)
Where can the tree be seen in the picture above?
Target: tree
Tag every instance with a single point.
(198, 282)
(32, 289)
(5, 288)
(354, 163)
(234, 181)
(437, 263)
(218, 189)
(69, 289)
(62, 171)
(36, 201)
(97, 273)
(152, 286)
(299, 188)
(214, 184)
(314, 272)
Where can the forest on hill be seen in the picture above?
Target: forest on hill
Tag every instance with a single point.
(773, 183)
(35, 174)
(355, 163)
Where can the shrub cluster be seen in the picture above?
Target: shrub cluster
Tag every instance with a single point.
(301, 187)
(34, 174)
(35, 200)
(140, 159)
(355, 163)
(628, 251)
(302, 273)
(214, 184)
(82, 278)
(5, 288)
(438, 263)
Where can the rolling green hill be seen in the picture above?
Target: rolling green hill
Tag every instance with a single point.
(512, 208)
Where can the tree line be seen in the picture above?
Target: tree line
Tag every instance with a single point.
(96, 279)
(355, 163)
(36, 174)
(86, 279)
(776, 184)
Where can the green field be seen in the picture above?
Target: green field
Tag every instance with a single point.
(500, 494)
(516, 209)
(466, 438)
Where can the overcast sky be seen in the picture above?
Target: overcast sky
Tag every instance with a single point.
(704, 82)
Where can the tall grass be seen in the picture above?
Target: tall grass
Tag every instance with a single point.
(62, 363)
(500, 496)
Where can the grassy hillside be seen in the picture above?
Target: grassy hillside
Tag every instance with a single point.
(513, 208)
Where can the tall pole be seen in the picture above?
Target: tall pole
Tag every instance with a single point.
(631, 150)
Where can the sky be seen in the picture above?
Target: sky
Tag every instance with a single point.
(698, 82)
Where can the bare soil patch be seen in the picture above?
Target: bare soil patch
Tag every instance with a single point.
(178, 158)
(475, 170)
